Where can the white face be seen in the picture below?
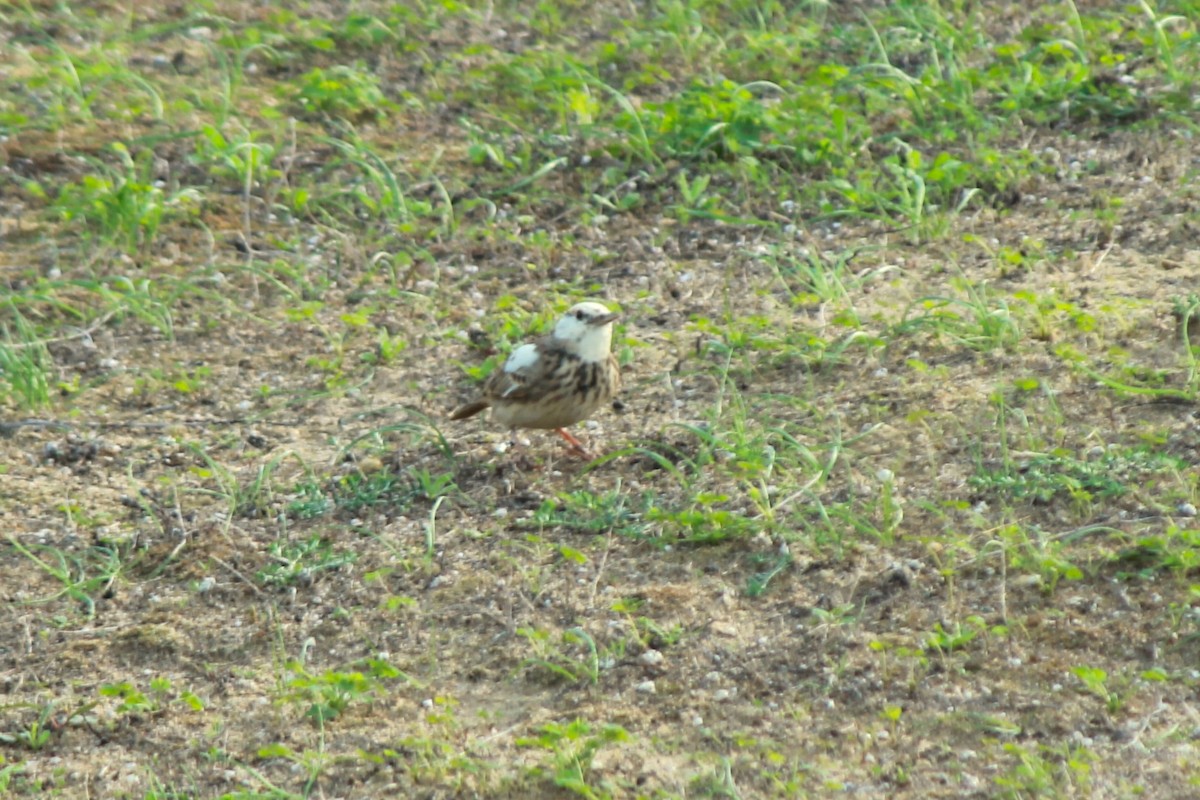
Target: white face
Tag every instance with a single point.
(587, 329)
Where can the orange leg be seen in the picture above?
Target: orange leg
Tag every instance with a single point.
(576, 445)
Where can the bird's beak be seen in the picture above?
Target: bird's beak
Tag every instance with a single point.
(603, 319)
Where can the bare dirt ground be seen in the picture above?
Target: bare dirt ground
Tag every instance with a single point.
(782, 577)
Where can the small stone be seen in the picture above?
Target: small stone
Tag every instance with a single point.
(646, 687)
(1186, 509)
(723, 629)
(371, 464)
(651, 658)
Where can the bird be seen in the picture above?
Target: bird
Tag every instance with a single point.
(556, 380)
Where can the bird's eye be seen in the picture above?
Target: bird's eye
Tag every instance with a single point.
(578, 315)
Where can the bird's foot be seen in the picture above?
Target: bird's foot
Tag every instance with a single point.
(574, 446)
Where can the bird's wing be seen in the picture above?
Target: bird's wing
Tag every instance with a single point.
(523, 375)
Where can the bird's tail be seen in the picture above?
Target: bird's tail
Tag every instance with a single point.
(469, 410)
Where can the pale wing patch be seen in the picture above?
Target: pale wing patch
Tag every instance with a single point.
(523, 357)
(519, 361)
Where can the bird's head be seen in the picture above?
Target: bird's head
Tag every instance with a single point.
(586, 329)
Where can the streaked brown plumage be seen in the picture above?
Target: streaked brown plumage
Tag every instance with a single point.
(557, 380)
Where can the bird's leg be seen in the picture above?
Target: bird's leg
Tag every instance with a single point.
(576, 446)
(571, 440)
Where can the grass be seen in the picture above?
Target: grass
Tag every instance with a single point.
(900, 486)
